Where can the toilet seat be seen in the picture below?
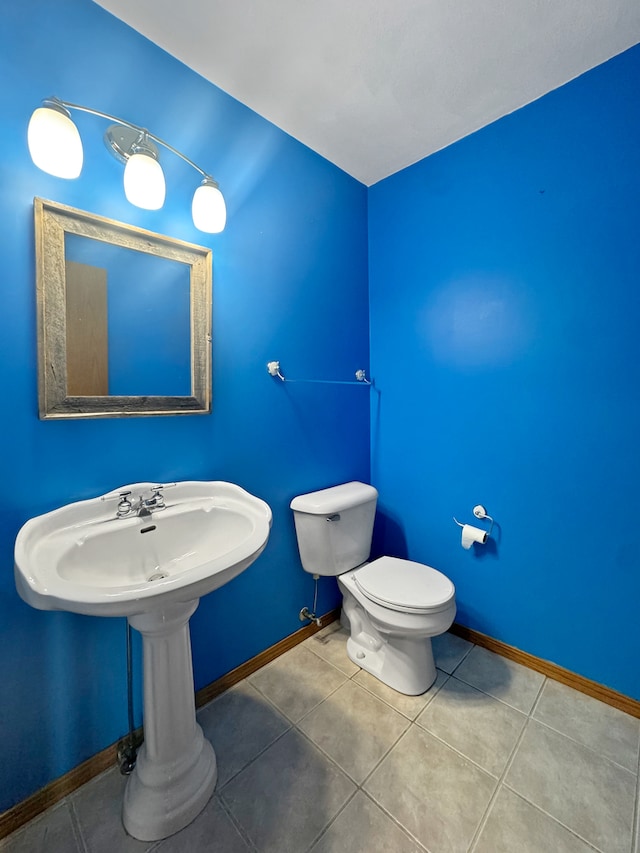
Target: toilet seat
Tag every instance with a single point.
(404, 585)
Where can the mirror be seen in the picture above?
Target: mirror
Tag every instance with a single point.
(124, 318)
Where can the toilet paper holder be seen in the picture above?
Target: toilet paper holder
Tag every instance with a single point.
(480, 512)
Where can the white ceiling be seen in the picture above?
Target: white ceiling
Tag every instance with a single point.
(375, 85)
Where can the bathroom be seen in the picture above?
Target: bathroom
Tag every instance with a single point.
(490, 290)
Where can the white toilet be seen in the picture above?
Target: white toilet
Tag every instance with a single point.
(393, 607)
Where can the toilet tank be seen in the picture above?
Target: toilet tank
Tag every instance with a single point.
(334, 527)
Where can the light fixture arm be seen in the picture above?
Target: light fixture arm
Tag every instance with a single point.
(68, 105)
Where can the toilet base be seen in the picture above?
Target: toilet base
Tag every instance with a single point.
(393, 646)
(406, 665)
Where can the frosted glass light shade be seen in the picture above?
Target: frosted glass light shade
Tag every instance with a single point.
(208, 209)
(144, 183)
(54, 143)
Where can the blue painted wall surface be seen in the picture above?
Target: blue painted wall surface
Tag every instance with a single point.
(505, 310)
(290, 283)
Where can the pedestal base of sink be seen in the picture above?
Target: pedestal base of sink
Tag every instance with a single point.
(158, 806)
(176, 770)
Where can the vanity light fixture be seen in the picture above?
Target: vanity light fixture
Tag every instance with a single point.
(55, 147)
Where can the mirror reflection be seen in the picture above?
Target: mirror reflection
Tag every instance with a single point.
(128, 321)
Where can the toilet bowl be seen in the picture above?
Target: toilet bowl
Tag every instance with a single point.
(391, 607)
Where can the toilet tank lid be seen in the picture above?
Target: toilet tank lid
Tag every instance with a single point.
(335, 499)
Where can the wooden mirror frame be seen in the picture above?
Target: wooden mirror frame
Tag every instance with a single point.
(52, 222)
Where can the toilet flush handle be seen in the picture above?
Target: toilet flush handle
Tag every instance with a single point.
(334, 517)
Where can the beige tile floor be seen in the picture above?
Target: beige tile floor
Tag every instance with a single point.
(315, 755)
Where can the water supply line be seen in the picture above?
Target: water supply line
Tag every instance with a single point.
(304, 613)
(128, 749)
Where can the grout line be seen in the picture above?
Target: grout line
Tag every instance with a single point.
(395, 820)
(553, 818)
(284, 714)
(492, 799)
(309, 646)
(352, 677)
(299, 647)
(377, 764)
(326, 755)
(554, 672)
(538, 698)
(218, 790)
(455, 749)
(393, 707)
(434, 694)
(321, 702)
(43, 818)
(379, 805)
(335, 666)
(464, 656)
(573, 739)
(331, 822)
(292, 726)
(485, 817)
(359, 785)
(488, 695)
(393, 746)
(500, 699)
(238, 826)
(75, 827)
(251, 686)
(504, 784)
(583, 745)
(405, 733)
(508, 704)
(82, 845)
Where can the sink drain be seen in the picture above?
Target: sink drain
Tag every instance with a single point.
(157, 576)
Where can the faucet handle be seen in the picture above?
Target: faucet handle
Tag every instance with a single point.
(157, 499)
(113, 496)
(124, 504)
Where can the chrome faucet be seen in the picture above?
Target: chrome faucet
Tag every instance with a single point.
(142, 509)
(146, 503)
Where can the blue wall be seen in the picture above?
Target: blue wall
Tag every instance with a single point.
(290, 283)
(505, 310)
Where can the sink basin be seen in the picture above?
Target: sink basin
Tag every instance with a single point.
(84, 559)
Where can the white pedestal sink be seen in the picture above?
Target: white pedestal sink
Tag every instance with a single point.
(152, 568)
